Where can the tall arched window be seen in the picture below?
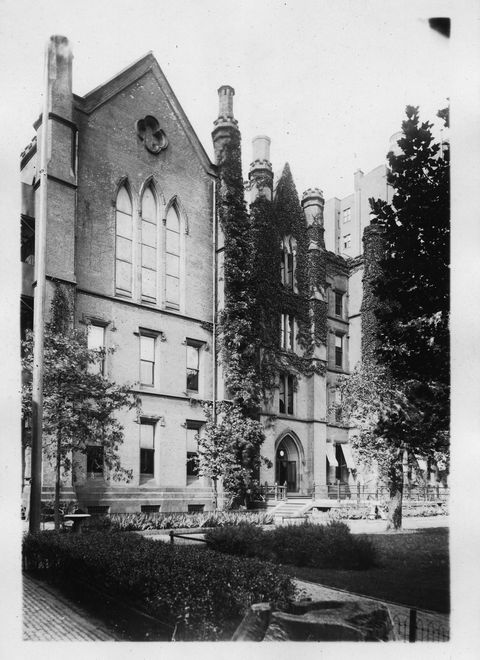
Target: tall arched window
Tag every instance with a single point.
(172, 261)
(123, 243)
(149, 246)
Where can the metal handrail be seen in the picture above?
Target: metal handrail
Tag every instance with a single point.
(276, 491)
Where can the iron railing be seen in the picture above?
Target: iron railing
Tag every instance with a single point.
(364, 494)
(275, 492)
(414, 628)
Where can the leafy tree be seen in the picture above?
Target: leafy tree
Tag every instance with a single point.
(79, 404)
(229, 451)
(405, 376)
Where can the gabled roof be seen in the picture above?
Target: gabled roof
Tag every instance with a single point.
(103, 93)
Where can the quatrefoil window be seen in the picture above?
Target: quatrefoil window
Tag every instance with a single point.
(150, 133)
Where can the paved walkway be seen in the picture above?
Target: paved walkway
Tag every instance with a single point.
(48, 617)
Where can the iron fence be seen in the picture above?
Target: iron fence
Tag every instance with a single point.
(413, 628)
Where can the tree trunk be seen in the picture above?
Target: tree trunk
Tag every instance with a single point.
(394, 516)
(215, 494)
(56, 505)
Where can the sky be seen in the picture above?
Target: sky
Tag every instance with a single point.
(327, 81)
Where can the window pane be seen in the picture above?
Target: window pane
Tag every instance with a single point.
(192, 464)
(149, 234)
(149, 208)
(123, 201)
(291, 332)
(192, 357)
(149, 283)
(192, 441)
(172, 265)
(146, 461)
(338, 341)
(123, 277)
(338, 304)
(124, 249)
(147, 348)
(192, 379)
(146, 373)
(281, 403)
(173, 222)
(173, 242)
(290, 388)
(95, 460)
(124, 225)
(149, 257)
(95, 337)
(147, 436)
(172, 289)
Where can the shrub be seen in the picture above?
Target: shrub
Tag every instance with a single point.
(164, 581)
(322, 546)
(136, 522)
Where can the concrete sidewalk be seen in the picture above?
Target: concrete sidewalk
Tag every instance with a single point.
(50, 617)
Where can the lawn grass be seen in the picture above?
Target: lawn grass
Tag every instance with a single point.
(413, 569)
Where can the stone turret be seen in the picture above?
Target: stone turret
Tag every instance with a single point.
(261, 174)
(225, 125)
(312, 204)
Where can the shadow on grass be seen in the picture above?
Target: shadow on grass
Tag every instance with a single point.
(412, 569)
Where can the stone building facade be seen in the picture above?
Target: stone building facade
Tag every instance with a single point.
(132, 231)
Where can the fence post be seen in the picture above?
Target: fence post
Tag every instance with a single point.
(172, 539)
(338, 490)
(358, 492)
(412, 632)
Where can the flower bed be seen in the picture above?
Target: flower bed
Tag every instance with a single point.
(140, 522)
(208, 593)
(322, 546)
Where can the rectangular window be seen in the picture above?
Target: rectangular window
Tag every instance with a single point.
(147, 360)
(347, 241)
(338, 406)
(94, 461)
(96, 342)
(287, 332)
(281, 399)
(338, 304)
(347, 215)
(193, 430)
(338, 350)
(27, 252)
(193, 365)
(286, 393)
(147, 449)
(289, 281)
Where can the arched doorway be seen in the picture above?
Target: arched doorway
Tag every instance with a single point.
(287, 464)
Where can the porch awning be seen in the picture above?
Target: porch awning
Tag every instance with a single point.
(422, 463)
(347, 452)
(331, 455)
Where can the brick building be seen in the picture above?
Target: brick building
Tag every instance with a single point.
(133, 232)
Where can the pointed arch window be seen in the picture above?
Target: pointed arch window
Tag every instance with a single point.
(172, 261)
(149, 246)
(123, 243)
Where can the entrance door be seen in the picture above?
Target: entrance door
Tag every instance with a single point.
(286, 465)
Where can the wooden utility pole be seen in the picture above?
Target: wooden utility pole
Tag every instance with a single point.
(39, 299)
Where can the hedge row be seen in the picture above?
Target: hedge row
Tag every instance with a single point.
(323, 546)
(207, 591)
